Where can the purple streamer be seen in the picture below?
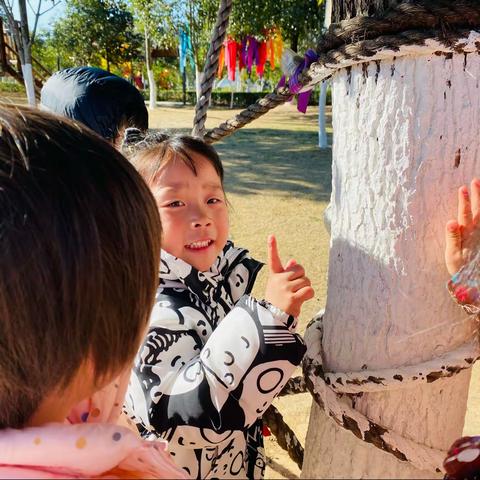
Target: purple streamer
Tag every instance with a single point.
(294, 83)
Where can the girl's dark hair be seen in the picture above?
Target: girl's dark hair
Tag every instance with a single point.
(149, 153)
(79, 255)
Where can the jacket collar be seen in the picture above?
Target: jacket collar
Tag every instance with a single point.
(176, 273)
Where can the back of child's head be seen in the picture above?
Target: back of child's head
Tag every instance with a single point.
(79, 255)
(155, 150)
(104, 102)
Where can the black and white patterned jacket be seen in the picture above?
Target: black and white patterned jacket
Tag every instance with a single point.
(212, 362)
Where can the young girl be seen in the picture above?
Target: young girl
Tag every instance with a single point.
(214, 357)
(79, 249)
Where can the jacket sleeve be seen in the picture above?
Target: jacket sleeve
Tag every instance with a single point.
(222, 385)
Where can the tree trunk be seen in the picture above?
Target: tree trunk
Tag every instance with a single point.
(152, 86)
(26, 54)
(294, 41)
(406, 136)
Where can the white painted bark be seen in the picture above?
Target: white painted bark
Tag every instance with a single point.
(152, 89)
(29, 82)
(398, 131)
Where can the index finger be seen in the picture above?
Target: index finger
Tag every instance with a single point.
(274, 262)
(464, 207)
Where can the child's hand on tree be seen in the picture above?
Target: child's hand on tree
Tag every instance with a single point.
(287, 286)
(463, 234)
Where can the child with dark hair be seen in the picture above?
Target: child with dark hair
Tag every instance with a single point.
(214, 357)
(104, 102)
(79, 254)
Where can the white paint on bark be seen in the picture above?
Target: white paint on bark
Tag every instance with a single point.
(153, 89)
(398, 131)
(29, 82)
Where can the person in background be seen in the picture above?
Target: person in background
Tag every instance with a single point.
(100, 100)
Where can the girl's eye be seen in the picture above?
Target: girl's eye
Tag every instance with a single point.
(175, 204)
(213, 200)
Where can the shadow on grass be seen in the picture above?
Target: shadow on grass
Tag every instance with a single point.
(279, 161)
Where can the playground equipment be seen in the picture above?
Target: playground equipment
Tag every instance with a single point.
(10, 62)
(388, 363)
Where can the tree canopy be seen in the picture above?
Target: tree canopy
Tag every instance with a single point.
(94, 29)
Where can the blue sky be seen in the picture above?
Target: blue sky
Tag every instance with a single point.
(46, 20)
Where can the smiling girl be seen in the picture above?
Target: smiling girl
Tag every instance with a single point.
(214, 357)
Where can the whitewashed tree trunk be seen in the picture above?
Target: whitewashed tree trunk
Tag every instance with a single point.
(29, 83)
(152, 86)
(406, 136)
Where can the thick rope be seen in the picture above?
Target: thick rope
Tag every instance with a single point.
(211, 66)
(362, 39)
(442, 15)
(286, 438)
(341, 407)
(293, 386)
(254, 111)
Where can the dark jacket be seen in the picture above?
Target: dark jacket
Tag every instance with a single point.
(97, 98)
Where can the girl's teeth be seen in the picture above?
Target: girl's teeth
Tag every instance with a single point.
(199, 244)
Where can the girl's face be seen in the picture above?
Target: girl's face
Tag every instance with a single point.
(193, 211)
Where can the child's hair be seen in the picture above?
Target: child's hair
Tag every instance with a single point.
(149, 153)
(79, 255)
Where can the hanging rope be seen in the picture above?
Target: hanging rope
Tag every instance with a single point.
(365, 39)
(286, 438)
(211, 66)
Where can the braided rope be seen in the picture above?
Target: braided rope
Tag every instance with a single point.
(251, 113)
(363, 39)
(211, 66)
(286, 438)
(418, 15)
(293, 386)
(341, 407)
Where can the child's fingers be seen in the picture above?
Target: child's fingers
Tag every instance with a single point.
(290, 264)
(304, 294)
(453, 244)
(274, 262)
(464, 207)
(475, 200)
(299, 283)
(295, 271)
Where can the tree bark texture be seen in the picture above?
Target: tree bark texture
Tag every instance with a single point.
(152, 86)
(345, 9)
(406, 136)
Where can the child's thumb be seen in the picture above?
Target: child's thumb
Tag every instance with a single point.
(274, 262)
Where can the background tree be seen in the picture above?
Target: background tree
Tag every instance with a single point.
(94, 29)
(23, 38)
(298, 20)
(153, 18)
